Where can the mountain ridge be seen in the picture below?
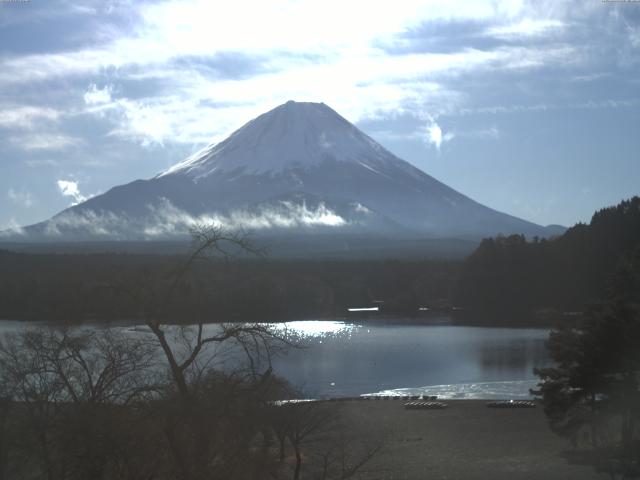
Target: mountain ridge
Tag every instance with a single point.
(298, 168)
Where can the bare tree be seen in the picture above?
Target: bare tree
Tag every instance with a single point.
(68, 389)
(210, 420)
(156, 301)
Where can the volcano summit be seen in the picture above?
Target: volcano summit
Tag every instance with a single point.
(298, 169)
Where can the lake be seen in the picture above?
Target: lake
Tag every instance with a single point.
(398, 359)
(342, 358)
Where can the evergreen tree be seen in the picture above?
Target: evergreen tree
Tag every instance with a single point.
(594, 387)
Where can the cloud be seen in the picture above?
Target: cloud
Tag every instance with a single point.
(69, 188)
(490, 132)
(606, 103)
(525, 28)
(359, 208)
(590, 77)
(11, 228)
(183, 29)
(433, 134)
(174, 44)
(41, 162)
(166, 220)
(23, 198)
(87, 223)
(26, 116)
(150, 123)
(96, 96)
(43, 141)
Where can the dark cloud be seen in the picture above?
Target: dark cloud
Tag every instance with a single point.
(440, 37)
(59, 26)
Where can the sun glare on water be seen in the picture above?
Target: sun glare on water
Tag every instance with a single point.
(316, 328)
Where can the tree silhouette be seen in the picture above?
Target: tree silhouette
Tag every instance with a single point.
(595, 383)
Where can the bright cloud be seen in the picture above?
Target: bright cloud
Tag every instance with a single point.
(183, 27)
(363, 87)
(166, 220)
(179, 28)
(525, 28)
(302, 50)
(94, 95)
(434, 135)
(70, 188)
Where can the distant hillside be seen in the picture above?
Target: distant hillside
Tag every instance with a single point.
(512, 277)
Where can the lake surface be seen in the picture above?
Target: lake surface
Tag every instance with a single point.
(348, 359)
(437, 359)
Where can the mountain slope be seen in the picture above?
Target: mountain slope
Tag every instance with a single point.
(299, 168)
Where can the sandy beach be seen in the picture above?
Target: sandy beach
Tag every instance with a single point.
(467, 440)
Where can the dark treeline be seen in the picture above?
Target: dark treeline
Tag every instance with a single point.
(74, 288)
(511, 278)
(515, 278)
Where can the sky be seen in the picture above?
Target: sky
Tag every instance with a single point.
(529, 107)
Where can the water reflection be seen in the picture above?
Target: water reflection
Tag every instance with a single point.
(516, 389)
(517, 354)
(315, 328)
(460, 362)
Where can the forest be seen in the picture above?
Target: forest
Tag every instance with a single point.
(75, 288)
(539, 280)
(508, 279)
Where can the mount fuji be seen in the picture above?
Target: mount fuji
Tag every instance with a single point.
(296, 170)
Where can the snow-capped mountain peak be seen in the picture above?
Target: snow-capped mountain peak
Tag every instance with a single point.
(292, 135)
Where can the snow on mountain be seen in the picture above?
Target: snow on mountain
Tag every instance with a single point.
(290, 136)
(299, 168)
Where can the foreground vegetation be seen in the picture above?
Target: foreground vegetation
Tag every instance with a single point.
(591, 395)
(100, 405)
(188, 402)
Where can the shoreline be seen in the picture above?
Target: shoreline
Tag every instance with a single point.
(432, 319)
